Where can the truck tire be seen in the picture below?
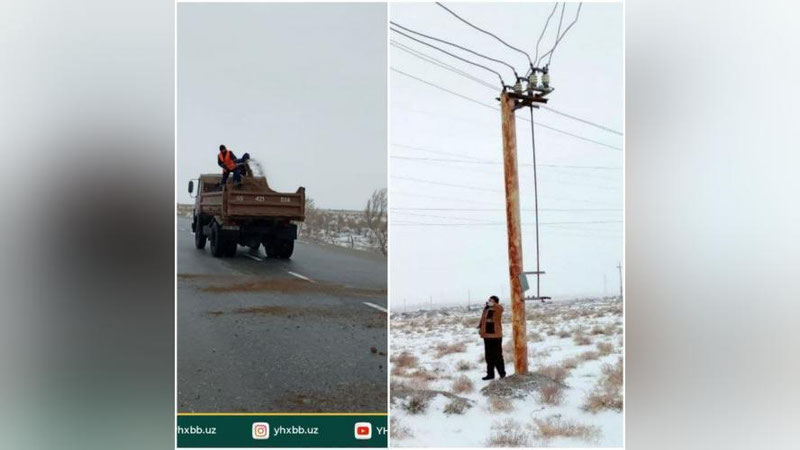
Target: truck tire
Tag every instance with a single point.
(285, 248)
(270, 248)
(199, 237)
(230, 247)
(217, 241)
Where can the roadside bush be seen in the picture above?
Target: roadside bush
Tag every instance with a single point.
(417, 404)
(462, 385)
(551, 394)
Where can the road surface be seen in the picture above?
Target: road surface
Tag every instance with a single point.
(264, 335)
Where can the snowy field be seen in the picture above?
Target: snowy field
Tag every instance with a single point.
(572, 399)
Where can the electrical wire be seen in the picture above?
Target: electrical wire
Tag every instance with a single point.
(503, 209)
(434, 61)
(465, 161)
(493, 88)
(536, 57)
(486, 32)
(499, 61)
(558, 39)
(498, 109)
(502, 83)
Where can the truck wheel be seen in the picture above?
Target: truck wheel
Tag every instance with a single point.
(217, 241)
(199, 237)
(230, 247)
(270, 248)
(285, 249)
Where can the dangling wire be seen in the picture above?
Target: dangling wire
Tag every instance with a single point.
(535, 205)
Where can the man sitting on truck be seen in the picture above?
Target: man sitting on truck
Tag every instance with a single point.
(227, 160)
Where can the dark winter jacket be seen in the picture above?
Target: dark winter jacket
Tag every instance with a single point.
(491, 324)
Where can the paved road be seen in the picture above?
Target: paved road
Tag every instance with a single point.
(264, 335)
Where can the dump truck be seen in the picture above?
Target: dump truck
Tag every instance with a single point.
(248, 213)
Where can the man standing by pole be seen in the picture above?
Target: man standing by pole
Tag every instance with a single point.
(491, 330)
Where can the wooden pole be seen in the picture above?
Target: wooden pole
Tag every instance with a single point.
(619, 267)
(514, 233)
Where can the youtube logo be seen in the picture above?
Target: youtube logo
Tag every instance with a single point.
(363, 430)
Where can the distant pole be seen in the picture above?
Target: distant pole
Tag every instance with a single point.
(619, 267)
(469, 299)
(514, 230)
(605, 285)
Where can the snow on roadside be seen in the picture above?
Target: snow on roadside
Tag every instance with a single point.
(433, 348)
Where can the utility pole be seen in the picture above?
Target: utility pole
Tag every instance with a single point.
(469, 299)
(507, 107)
(619, 267)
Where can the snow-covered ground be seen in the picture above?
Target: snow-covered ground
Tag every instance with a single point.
(576, 342)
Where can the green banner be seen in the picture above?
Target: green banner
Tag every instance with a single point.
(302, 430)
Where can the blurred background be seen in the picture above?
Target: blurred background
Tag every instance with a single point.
(712, 225)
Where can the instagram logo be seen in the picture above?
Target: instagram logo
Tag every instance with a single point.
(363, 430)
(260, 430)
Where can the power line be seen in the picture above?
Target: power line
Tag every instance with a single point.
(491, 87)
(558, 31)
(555, 6)
(503, 209)
(420, 180)
(558, 39)
(486, 32)
(441, 64)
(581, 120)
(595, 222)
(502, 83)
(464, 161)
(499, 61)
(497, 109)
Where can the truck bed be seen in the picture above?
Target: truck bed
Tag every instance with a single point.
(253, 200)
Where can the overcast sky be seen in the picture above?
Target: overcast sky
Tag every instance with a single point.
(301, 87)
(451, 262)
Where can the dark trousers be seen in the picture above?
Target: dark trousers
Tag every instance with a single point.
(493, 348)
(237, 175)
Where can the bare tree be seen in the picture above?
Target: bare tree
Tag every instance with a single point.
(375, 216)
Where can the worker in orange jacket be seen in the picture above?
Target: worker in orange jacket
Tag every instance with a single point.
(230, 164)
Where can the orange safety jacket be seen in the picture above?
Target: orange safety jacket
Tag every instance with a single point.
(226, 160)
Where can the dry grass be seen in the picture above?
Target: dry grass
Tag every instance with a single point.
(500, 404)
(405, 359)
(551, 394)
(563, 334)
(607, 394)
(597, 330)
(588, 356)
(447, 349)
(462, 385)
(535, 337)
(570, 363)
(581, 339)
(464, 365)
(399, 371)
(555, 373)
(416, 404)
(554, 426)
(423, 375)
(455, 407)
(508, 434)
(397, 430)
(605, 348)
